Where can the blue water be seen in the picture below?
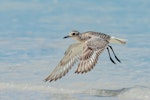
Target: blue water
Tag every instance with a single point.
(31, 45)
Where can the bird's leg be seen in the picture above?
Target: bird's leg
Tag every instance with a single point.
(114, 53)
(110, 56)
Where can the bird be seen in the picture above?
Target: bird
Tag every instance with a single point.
(85, 51)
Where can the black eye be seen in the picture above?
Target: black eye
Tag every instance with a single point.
(73, 33)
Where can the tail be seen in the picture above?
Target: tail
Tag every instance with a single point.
(117, 40)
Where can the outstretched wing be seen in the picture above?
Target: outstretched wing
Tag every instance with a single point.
(91, 51)
(71, 56)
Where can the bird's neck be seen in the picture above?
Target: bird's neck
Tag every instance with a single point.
(78, 38)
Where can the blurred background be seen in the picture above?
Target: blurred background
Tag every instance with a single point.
(31, 45)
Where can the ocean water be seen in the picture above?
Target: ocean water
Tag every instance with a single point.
(32, 44)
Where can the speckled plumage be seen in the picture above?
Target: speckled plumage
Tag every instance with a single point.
(90, 45)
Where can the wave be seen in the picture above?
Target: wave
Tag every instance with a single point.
(136, 92)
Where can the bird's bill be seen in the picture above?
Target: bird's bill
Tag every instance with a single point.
(66, 36)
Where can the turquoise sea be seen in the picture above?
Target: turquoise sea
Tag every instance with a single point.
(32, 44)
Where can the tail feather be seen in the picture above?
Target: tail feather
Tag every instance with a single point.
(117, 40)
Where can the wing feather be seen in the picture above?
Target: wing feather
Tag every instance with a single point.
(91, 51)
(70, 58)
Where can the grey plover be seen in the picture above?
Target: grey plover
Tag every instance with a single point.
(86, 52)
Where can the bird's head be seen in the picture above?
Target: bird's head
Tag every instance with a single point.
(73, 34)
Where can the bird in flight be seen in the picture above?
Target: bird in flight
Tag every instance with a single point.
(86, 52)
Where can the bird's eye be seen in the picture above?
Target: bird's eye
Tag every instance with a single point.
(73, 33)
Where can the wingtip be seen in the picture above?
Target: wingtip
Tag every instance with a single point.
(48, 80)
(77, 72)
(45, 80)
